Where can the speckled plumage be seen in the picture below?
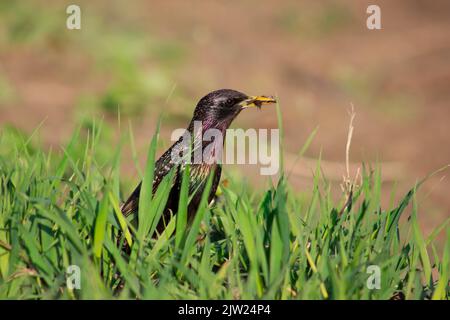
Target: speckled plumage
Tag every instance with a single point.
(216, 111)
(198, 177)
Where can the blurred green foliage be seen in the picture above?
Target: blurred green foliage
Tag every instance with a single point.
(317, 21)
(137, 66)
(7, 92)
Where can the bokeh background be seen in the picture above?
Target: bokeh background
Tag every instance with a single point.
(152, 58)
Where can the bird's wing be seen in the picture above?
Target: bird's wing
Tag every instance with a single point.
(162, 167)
(199, 176)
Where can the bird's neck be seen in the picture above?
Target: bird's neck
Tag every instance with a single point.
(208, 138)
(212, 122)
(199, 129)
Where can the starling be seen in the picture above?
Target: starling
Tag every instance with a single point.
(216, 111)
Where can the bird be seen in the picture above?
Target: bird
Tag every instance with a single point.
(216, 111)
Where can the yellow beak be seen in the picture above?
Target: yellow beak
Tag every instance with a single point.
(257, 101)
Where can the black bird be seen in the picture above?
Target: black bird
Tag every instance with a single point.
(216, 110)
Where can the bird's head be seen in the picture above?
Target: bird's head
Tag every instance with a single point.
(219, 108)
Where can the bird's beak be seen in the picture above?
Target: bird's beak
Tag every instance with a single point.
(257, 101)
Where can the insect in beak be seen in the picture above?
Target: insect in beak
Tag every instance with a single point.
(257, 101)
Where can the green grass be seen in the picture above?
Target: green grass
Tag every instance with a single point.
(62, 208)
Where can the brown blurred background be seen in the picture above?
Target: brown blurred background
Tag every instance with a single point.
(148, 57)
